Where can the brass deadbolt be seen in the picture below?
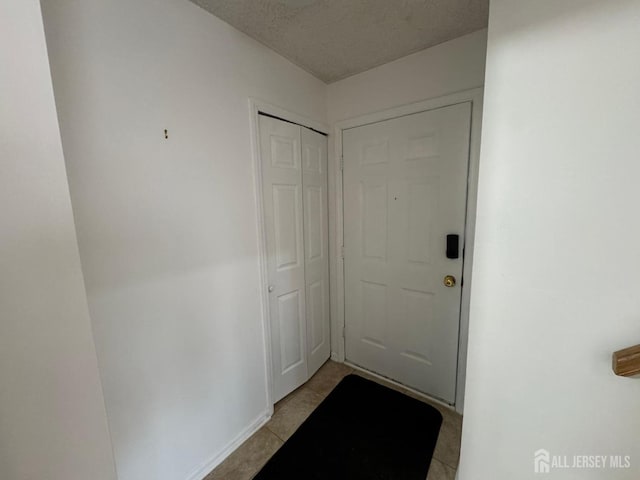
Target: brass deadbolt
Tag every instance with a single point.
(449, 281)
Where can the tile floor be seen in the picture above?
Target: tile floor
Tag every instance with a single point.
(291, 411)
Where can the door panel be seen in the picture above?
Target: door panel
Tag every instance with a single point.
(374, 220)
(283, 209)
(290, 318)
(405, 183)
(314, 211)
(316, 246)
(286, 219)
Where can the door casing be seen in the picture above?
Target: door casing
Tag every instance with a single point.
(475, 96)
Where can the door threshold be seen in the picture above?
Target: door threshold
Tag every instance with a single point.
(400, 385)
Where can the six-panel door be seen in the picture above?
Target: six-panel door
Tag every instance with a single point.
(294, 179)
(405, 186)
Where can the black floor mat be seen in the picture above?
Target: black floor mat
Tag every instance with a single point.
(361, 431)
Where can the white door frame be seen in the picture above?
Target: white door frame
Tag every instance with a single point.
(255, 107)
(338, 316)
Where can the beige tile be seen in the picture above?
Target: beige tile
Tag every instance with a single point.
(295, 411)
(448, 446)
(279, 404)
(249, 458)
(451, 418)
(440, 471)
(328, 376)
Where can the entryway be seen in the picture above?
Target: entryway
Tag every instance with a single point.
(406, 182)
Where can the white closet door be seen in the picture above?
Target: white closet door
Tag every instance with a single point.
(405, 186)
(283, 209)
(316, 251)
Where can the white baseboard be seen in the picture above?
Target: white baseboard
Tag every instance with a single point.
(206, 468)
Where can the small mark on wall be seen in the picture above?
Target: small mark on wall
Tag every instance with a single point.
(166, 133)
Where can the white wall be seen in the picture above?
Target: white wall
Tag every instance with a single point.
(556, 283)
(167, 228)
(437, 71)
(52, 419)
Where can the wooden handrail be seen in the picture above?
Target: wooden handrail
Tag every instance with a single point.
(626, 363)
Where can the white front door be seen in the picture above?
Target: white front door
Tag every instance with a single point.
(405, 188)
(294, 184)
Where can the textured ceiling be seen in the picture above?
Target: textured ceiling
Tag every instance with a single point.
(333, 39)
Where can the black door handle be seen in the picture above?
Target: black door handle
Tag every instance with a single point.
(453, 246)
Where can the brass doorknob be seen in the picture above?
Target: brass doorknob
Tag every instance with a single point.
(449, 281)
